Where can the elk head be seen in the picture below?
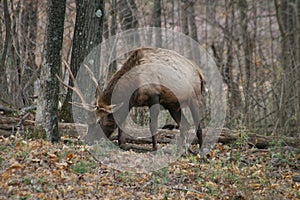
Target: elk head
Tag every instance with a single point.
(105, 115)
(98, 112)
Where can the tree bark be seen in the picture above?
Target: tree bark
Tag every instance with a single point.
(288, 17)
(127, 11)
(46, 115)
(28, 46)
(87, 35)
(192, 21)
(247, 50)
(157, 22)
(7, 42)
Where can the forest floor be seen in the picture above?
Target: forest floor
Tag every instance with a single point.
(37, 169)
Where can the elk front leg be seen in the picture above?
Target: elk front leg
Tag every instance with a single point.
(154, 111)
(121, 138)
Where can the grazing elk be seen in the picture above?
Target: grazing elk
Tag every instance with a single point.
(155, 78)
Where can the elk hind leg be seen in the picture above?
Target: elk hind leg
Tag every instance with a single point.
(154, 111)
(183, 124)
(194, 108)
(121, 138)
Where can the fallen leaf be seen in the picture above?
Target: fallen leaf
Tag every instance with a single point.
(255, 185)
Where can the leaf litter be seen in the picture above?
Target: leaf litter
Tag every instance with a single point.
(37, 169)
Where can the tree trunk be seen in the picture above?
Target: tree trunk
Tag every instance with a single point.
(114, 26)
(247, 50)
(7, 43)
(87, 35)
(235, 97)
(157, 22)
(186, 48)
(46, 115)
(288, 17)
(28, 46)
(192, 21)
(127, 11)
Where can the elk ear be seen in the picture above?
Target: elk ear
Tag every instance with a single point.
(115, 107)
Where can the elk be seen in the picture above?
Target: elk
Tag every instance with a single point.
(152, 77)
(156, 78)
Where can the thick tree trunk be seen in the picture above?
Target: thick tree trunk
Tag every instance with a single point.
(46, 115)
(87, 35)
(7, 43)
(288, 17)
(28, 46)
(247, 51)
(192, 21)
(157, 22)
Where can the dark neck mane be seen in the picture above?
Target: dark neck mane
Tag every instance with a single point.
(131, 62)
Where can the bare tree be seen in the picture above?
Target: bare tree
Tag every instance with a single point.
(18, 55)
(246, 47)
(87, 35)
(288, 17)
(113, 31)
(7, 41)
(128, 17)
(46, 115)
(225, 62)
(192, 21)
(27, 49)
(157, 22)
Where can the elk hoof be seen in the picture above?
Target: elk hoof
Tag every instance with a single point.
(154, 148)
(123, 146)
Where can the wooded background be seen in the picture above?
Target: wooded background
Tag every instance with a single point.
(255, 43)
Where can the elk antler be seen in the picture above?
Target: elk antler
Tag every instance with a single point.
(93, 78)
(76, 89)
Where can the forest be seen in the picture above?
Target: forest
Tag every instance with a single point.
(57, 57)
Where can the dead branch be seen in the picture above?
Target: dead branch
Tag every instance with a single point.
(142, 136)
(7, 110)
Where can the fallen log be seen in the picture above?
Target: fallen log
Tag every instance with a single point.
(9, 125)
(226, 136)
(7, 110)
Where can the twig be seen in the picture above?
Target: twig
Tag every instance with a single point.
(27, 109)
(22, 120)
(184, 189)
(96, 159)
(7, 110)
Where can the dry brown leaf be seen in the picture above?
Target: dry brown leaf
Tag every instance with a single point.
(52, 155)
(255, 185)
(70, 156)
(19, 146)
(5, 175)
(62, 166)
(35, 160)
(15, 165)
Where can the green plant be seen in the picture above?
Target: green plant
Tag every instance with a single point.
(41, 180)
(80, 167)
(25, 197)
(127, 177)
(161, 176)
(242, 141)
(193, 159)
(24, 153)
(27, 180)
